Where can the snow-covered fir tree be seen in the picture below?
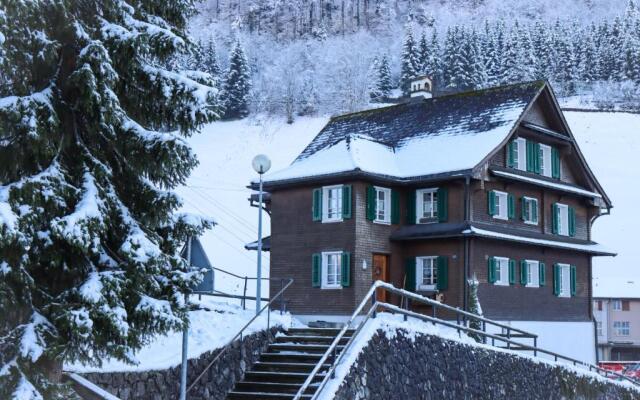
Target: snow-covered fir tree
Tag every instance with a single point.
(210, 59)
(92, 127)
(410, 63)
(383, 85)
(237, 84)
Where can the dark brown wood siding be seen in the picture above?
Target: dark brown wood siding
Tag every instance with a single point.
(516, 302)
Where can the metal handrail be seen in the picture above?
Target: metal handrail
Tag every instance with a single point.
(239, 334)
(241, 277)
(376, 304)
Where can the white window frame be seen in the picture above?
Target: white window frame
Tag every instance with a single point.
(325, 203)
(326, 256)
(616, 305)
(502, 264)
(599, 331)
(420, 205)
(386, 205)
(533, 273)
(535, 202)
(420, 271)
(565, 280)
(622, 328)
(521, 151)
(563, 219)
(545, 160)
(502, 205)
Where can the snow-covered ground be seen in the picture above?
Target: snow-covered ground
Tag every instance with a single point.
(610, 142)
(210, 329)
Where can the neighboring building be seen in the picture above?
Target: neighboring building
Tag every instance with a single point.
(429, 193)
(617, 313)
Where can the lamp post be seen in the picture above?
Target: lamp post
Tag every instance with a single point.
(261, 164)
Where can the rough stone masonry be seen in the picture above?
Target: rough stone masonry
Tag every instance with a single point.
(429, 367)
(165, 384)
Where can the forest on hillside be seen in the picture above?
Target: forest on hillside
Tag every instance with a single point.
(307, 57)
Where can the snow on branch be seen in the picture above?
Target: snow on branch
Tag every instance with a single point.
(151, 138)
(160, 310)
(77, 227)
(32, 342)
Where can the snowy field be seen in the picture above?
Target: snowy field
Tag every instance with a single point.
(211, 328)
(610, 142)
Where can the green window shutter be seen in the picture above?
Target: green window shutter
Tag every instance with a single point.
(371, 203)
(491, 264)
(316, 267)
(491, 202)
(573, 280)
(524, 272)
(533, 209)
(572, 221)
(555, 163)
(346, 201)
(530, 155)
(395, 207)
(317, 205)
(512, 272)
(541, 274)
(443, 204)
(411, 207)
(345, 272)
(443, 273)
(511, 160)
(555, 215)
(511, 206)
(524, 209)
(410, 274)
(536, 158)
(556, 279)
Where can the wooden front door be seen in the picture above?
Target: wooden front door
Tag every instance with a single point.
(381, 273)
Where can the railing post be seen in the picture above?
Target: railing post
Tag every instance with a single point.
(509, 337)
(458, 323)
(282, 297)
(433, 312)
(373, 304)
(244, 295)
(484, 329)
(535, 346)
(404, 301)
(333, 362)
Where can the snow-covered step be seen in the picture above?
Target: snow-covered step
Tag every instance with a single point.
(333, 332)
(279, 377)
(290, 357)
(310, 339)
(273, 387)
(286, 366)
(237, 395)
(301, 348)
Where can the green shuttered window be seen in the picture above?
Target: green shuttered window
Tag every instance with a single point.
(395, 207)
(524, 272)
(572, 221)
(371, 203)
(511, 205)
(316, 267)
(541, 272)
(346, 201)
(555, 163)
(443, 204)
(317, 204)
(443, 273)
(573, 280)
(410, 274)
(491, 202)
(345, 273)
(512, 272)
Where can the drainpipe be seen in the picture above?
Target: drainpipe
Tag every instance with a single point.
(467, 213)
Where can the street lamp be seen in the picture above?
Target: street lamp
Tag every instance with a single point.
(261, 164)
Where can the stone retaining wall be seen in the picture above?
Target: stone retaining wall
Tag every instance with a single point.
(429, 367)
(165, 384)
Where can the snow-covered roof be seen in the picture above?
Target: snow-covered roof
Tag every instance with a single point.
(594, 248)
(415, 139)
(616, 288)
(552, 185)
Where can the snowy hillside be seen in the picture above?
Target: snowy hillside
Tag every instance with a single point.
(212, 327)
(225, 149)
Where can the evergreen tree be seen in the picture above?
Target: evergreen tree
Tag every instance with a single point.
(410, 67)
(237, 84)
(423, 54)
(432, 67)
(383, 80)
(92, 125)
(453, 61)
(210, 60)
(474, 307)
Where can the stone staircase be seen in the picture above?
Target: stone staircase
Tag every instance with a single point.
(285, 365)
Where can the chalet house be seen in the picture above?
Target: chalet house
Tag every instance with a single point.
(432, 192)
